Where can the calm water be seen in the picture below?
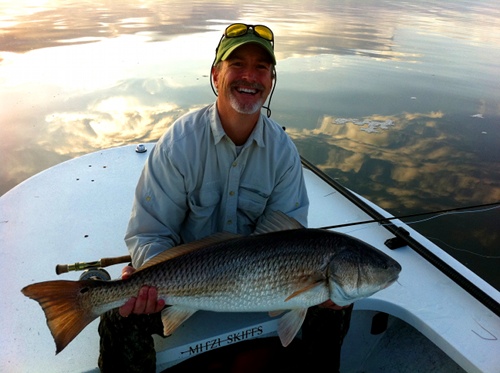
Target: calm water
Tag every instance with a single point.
(400, 101)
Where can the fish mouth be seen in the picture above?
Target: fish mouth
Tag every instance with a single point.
(390, 282)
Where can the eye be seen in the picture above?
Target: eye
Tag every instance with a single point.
(235, 63)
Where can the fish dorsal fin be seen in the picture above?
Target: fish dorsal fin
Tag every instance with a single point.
(176, 251)
(276, 221)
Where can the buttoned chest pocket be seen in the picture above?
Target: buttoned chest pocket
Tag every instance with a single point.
(252, 202)
(204, 202)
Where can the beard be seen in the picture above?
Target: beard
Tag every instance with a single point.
(246, 107)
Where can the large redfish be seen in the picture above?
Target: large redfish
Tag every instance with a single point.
(273, 271)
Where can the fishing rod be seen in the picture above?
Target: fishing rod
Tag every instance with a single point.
(437, 213)
(106, 262)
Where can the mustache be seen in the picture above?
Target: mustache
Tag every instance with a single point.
(245, 84)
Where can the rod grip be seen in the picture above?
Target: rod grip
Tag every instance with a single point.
(62, 268)
(116, 260)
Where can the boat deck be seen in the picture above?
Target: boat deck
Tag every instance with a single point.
(78, 211)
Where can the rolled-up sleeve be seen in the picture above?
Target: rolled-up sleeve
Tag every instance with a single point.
(158, 210)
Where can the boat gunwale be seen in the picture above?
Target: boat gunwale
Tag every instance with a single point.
(406, 238)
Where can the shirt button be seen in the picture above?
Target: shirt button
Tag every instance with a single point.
(235, 164)
(229, 222)
(231, 193)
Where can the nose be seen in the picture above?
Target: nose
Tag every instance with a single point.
(249, 74)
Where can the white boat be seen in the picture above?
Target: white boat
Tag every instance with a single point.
(429, 321)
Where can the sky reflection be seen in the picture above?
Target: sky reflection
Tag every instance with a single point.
(83, 68)
(78, 76)
(413, 152)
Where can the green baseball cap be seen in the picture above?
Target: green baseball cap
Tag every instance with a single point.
(229, 45)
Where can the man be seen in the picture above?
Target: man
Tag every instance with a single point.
(217, 169)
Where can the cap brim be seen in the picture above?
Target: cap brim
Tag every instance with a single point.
(229, 45)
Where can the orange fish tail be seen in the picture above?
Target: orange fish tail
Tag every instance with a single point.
(66, 313)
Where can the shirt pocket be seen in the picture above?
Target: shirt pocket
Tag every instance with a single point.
(252, 202)
(204, 201)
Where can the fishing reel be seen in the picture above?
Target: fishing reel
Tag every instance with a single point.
(97, 273)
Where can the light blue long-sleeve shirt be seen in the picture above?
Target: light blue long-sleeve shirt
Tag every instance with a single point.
(195, 183)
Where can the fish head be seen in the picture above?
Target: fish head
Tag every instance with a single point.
(358, 270)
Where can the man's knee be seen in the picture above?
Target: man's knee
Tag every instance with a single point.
(126, 343)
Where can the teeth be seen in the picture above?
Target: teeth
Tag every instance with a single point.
(247, 90)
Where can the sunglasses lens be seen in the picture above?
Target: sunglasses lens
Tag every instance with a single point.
(236, 29)
(264, 32)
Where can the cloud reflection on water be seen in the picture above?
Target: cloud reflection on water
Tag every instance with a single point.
(338, 27)
(425, 165)
(60, 61)
(110, 122)
(78, 76)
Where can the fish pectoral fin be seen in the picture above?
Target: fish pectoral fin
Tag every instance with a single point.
(172, 317)
(289, 325)
(305, 288)
(276, 221)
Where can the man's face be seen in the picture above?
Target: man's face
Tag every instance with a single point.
(244, 80)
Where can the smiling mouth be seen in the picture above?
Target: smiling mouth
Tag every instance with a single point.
(246, 88)
(247, 91)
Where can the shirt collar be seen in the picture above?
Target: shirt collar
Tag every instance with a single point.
(218, 132)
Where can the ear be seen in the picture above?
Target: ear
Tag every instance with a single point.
(215, 76)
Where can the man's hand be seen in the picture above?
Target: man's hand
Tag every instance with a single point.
(146, 301)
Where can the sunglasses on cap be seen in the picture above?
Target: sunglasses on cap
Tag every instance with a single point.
(239, 29)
